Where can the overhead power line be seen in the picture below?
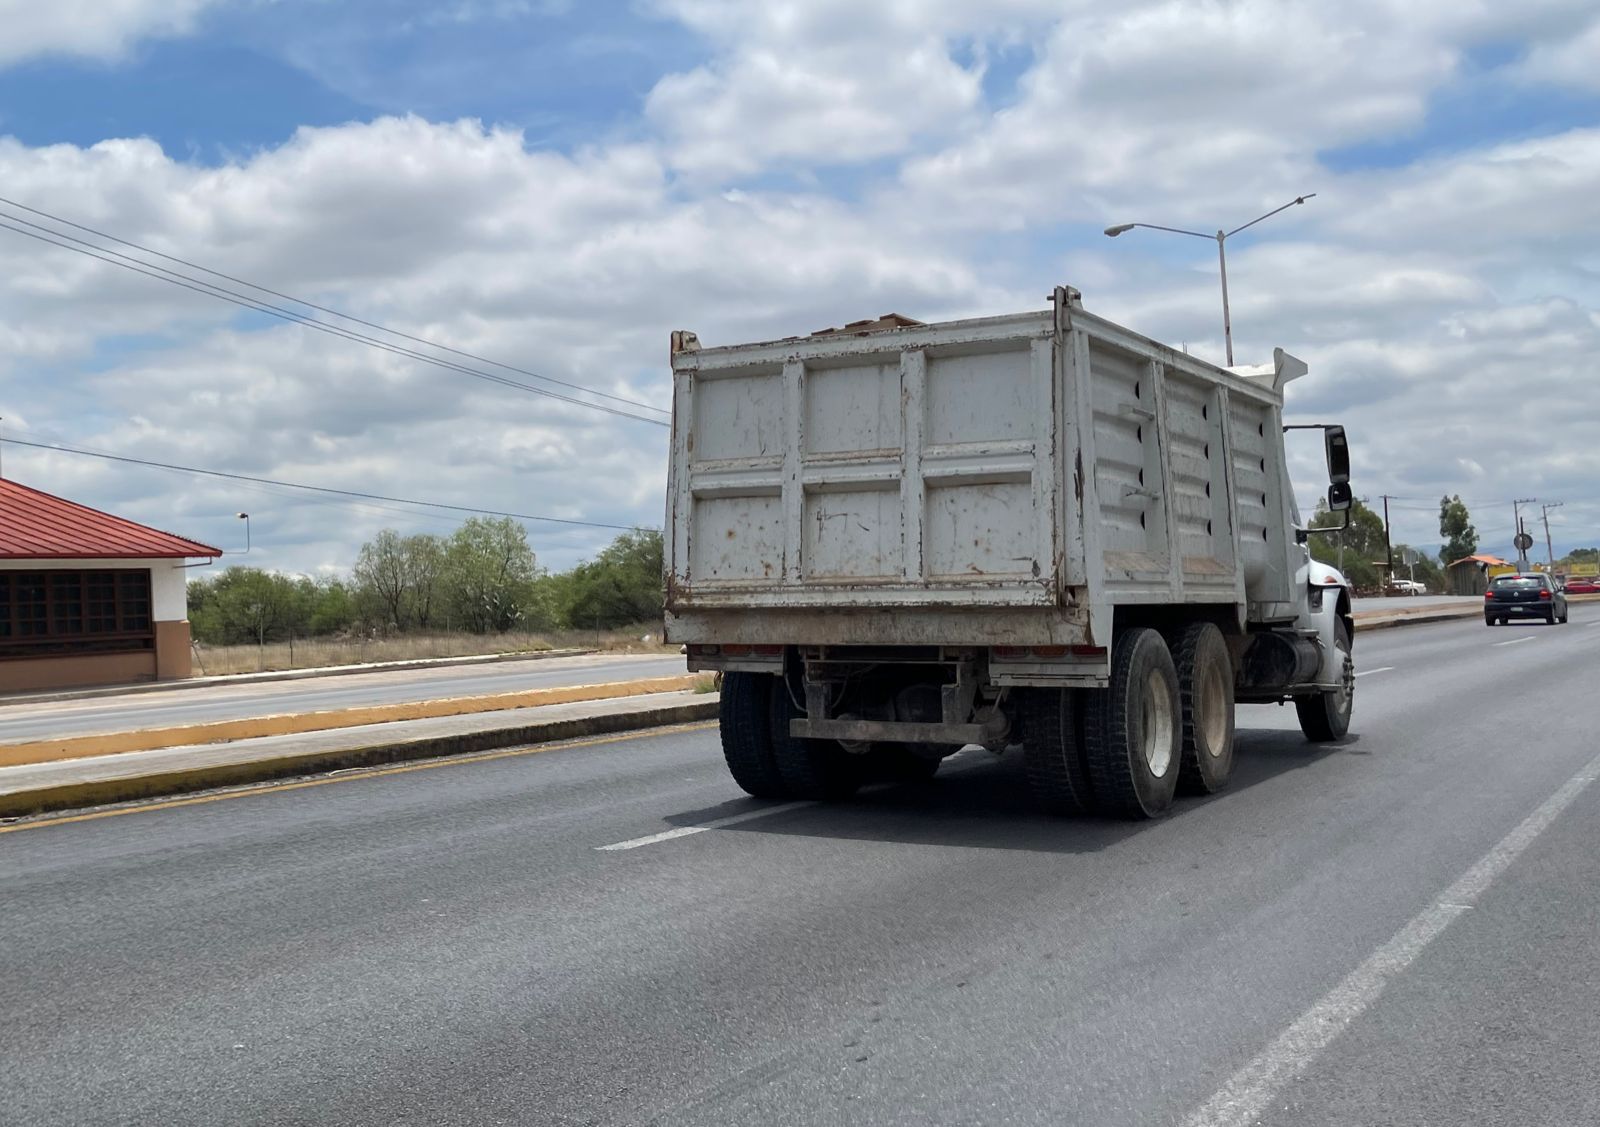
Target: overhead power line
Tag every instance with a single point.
(260, 305)
(221, 293)
(329, 490)
(320, 308)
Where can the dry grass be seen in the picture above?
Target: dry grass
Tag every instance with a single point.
(310, 653)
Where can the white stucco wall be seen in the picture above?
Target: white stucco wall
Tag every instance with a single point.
(169, 596)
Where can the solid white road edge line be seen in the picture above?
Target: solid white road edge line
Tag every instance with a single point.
(685, 831)
(1243, 1098)
(1516, 641)
(1380, 669)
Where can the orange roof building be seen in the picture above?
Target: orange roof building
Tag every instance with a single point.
(88, 598)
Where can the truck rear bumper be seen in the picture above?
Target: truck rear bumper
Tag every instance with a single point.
(901, 731)
(898, 626)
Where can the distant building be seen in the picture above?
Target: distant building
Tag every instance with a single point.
(87, 598)
(1470, 574)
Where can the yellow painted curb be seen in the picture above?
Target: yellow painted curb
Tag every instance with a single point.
(434, 751)
(114, 743)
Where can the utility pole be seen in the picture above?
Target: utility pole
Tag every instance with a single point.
(1388, 548)
(1544, 514)
(1516, 512)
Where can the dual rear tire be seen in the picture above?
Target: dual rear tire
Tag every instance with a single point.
(767, 762)
(1165, 721)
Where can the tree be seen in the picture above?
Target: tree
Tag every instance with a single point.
(621, 586)
(1455, 525)
(1583, 555)
(424, 568)
(401, 577)
(1363, 541)
(1425, 571)
(489, 573)
(246, 604)
(381, 569)
(333, 608)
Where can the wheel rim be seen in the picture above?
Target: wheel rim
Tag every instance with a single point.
(1213, 709)
(1345, 693)
(1158, 724)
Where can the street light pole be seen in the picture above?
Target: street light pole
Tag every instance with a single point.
(1222, 238)
(1227, 319)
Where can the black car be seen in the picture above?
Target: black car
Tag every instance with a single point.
(1523, 596)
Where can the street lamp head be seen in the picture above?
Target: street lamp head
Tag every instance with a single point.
(1113, 232)
(242, 516)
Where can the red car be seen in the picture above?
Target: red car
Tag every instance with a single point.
(1583, 585)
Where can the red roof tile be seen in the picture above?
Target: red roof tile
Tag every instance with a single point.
(37, 526)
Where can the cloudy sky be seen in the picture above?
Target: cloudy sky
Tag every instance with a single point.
(557, 185)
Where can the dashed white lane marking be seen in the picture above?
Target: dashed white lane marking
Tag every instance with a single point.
(1516, 641)
(715, 824)
(1243, 1098)
(1369, 672)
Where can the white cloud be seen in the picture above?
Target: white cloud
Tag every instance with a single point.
(1568, 60)
(1419, 294)
(823, 82)
(94, 28)
(577, 265)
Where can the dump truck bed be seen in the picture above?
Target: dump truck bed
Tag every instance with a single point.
(1005, 478)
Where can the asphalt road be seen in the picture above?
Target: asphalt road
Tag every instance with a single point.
(1402, 929)
(19, 722)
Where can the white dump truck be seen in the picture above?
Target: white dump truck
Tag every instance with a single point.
(898, 539)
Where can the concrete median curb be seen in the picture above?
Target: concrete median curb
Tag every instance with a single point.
(217, 679)
(186, 780)
(1421, 618)
(300, 723)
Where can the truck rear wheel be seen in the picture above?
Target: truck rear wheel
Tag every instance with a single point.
(820, 770)
(1325, 717)
(744, 717)
(1205, 686)
(1052, 751)
(1132, 729)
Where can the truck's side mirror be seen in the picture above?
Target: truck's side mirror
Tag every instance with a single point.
(1339, 496)
(1338, 460)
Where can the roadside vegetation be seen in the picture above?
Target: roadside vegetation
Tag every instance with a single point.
(1360, 549)
(477, 591)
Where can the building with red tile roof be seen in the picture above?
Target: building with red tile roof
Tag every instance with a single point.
(88, 598)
